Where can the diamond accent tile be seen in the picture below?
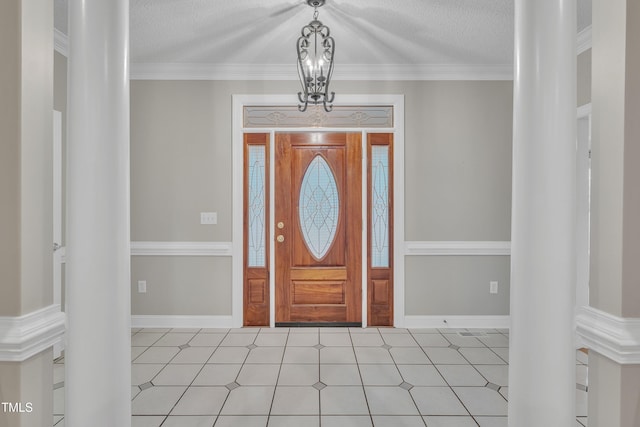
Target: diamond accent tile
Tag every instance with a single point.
(146, 385)
(455, 347)
(318, 346)
(232, 386)
(252, 346)
(492, 386)
(386, 346)
(183, 346)
(405, 385)
(319, 385)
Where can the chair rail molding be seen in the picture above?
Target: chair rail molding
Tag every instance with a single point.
(614, 337)
(22, 337)
(181, 248)
(445, 248)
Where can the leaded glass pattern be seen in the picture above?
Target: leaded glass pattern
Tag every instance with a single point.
(380, 206)
(342, 116)
(318, 207)
(257, 238)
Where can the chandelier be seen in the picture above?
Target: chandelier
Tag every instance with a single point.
(315, 62)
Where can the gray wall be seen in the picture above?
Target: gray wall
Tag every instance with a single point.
(457, 182)
(458, 187)
(457, 173)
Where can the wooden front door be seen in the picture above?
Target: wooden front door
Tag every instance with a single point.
(318, 228)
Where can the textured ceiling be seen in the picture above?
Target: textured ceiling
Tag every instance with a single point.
(243, 32)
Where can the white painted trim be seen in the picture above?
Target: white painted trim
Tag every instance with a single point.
(444, 321)
(173, 321)
(584, 40)
(237, 208)
(181, 248)
(60, 42)
(583, 111)
(57, 258)
(614, 337)
(416, 248)
(193, 71)
(238, 102)
(24, 336)
(399, 205)
(364, 210)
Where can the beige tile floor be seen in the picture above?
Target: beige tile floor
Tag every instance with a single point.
(316, 377)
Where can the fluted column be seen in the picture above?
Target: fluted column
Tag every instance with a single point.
(542, 354)
(98, 362)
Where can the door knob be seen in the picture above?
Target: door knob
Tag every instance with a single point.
(280, 238)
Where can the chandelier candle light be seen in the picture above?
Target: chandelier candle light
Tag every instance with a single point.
(315, 62)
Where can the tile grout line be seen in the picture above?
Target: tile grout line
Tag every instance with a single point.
(402, 376)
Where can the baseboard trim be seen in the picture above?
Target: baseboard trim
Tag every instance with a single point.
(178, 321)
(441, 248)
(181, 248)
(614, 337)
(22, 337)
(470, 322)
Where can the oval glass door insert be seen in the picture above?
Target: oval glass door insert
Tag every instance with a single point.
(318, 207)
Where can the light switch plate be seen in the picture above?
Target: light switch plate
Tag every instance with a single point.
(208, 218)
(142, 286)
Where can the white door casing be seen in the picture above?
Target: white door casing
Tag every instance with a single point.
(239, 102)
(57, 248)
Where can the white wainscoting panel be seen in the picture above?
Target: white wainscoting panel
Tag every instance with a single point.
(425, 248)
(22, 337)
(614, 337)
(181, 248)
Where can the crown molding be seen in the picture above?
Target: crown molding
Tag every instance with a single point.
(60, 42)
(22, 337)
(614, 337)
(584, 40)
(186, 71)
(263, 72)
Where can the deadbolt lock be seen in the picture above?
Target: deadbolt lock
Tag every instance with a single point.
(281, 225)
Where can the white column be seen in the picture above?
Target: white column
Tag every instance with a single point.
(542, 354)
(98, 362)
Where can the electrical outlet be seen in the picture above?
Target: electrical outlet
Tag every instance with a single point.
(493, 287)
(208, 218)
(142, 286)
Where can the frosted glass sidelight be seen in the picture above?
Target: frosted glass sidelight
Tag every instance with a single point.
(318, 207)
(379, 206)
(257, 221)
